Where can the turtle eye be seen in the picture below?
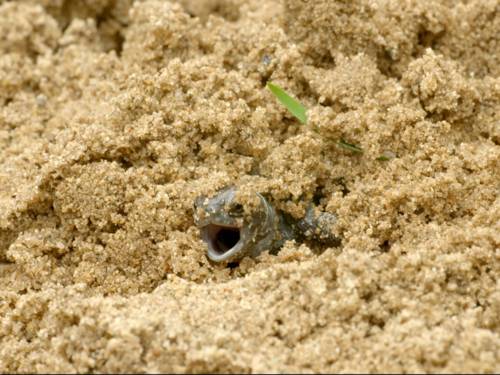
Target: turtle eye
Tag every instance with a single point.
(198, 202)
(236, 210)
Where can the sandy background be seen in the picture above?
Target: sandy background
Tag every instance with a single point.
(115, 115)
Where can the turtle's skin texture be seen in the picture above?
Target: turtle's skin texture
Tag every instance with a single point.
(230, 235)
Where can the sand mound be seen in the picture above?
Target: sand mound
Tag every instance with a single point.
(116, 115)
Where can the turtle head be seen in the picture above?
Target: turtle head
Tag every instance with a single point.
(227, 231)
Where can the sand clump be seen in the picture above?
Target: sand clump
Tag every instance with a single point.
(116, 115)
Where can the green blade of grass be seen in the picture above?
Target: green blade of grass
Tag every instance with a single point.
(386, 156)
(350, 147)
(293, 105)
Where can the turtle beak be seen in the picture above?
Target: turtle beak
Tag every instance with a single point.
(223, 241)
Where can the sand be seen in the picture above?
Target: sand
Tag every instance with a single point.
(116, 115)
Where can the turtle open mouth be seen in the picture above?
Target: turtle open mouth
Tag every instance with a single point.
(221, 238)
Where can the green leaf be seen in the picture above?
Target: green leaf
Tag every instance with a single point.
(350, 147)
(293, 105)
(386, 156)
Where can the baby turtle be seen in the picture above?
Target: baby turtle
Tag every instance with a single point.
(230, 235)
